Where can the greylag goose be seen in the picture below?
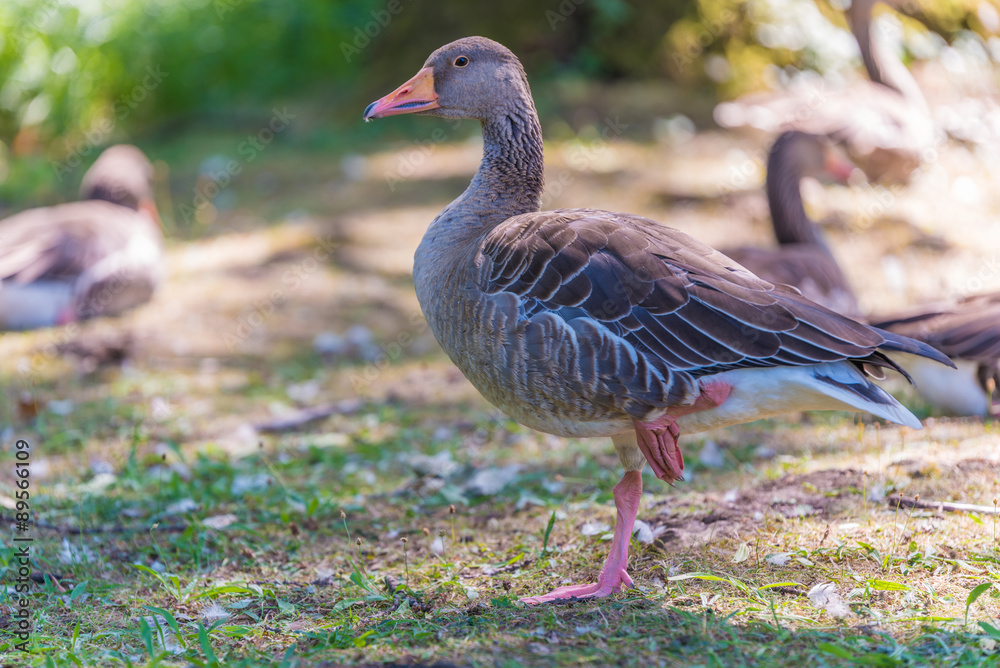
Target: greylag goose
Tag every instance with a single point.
(100, 256)
(803, 259)
(884, 123)
(969, 333)
(580, 322)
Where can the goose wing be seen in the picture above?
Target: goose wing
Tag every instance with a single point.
(62, 242)
(652, 309)
(812, 270)
(968, 330)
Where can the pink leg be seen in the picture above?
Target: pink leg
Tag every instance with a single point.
(613, 576)
(658, 439)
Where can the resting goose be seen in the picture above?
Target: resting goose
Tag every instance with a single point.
(100, 256)
(580, 322)
(969, 333)
(802, 259)
(884, 123)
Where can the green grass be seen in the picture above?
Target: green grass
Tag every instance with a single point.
(297, 588)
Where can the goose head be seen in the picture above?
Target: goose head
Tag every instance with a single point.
(122, 175)
(473, 78)
(809, 156)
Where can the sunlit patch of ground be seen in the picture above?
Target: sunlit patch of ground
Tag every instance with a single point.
(162, 458)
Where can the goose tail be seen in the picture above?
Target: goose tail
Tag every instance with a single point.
(850, 385)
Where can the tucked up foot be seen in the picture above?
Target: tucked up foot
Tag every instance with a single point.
(658, 442)
(657, 439)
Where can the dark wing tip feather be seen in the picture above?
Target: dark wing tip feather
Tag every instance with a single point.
(904, 344)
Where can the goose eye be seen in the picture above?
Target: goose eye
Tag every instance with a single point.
(461, 61)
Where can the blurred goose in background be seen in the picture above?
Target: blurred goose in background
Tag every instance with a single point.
(803, 259)
(969, 333)
(96, 257)
(580, 322)
(884, 123)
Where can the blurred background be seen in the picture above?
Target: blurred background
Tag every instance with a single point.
(184, 79)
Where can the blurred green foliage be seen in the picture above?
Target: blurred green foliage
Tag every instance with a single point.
(75, 74)
(66, 66)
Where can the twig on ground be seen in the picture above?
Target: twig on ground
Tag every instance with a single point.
(303, 417)
(320, 582)
(907, 502)
(116, 528)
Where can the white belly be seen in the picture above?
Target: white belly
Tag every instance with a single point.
(766, 392)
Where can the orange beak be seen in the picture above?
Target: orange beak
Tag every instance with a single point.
(837, 166)
(415, 95)
(148, 207)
